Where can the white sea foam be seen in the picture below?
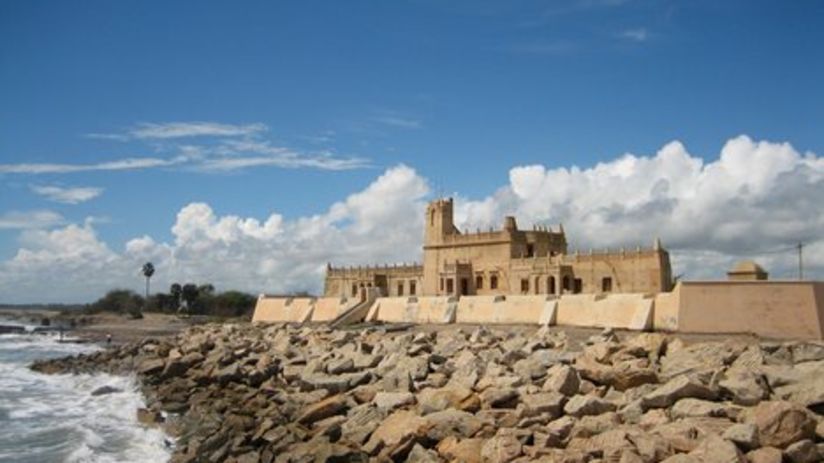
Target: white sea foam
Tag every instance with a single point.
(56, 417)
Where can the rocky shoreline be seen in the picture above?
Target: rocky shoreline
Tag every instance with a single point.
(248, 393)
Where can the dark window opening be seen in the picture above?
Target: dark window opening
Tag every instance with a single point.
(493, 282)
(550, 285)
(524, 285)
(606, 284)
(450, 286)
(579, 285)
(464, 286)
(565, 284)
(354, 289)
(412, 287)
(530, 250)
(479, 282)
(441, 284)
(400, 289)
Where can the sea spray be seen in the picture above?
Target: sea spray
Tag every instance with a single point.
(57, 417)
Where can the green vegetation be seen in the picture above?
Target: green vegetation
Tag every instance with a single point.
(189, 299)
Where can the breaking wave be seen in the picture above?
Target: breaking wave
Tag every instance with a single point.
(51, 418)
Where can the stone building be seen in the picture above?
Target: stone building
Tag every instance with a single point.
(505, 261)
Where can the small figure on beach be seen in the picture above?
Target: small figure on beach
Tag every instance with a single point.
(108, 338)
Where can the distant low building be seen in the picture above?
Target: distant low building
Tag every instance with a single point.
(747, 270)
(502, 262)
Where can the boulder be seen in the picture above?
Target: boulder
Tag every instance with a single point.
(391, 400)
(549, 403)
(422, 455)
(501, 449)
(341, 365)
(451, 422)
(499, 397)
(149, 417)
(324, 409)
(400, 429)
(744, 435)
(715, 449)
(765, 455)
(697, 407)
(781, 423)
(105, 390)
(677, 388)
(744, 387)
(461, 450)
(803, 451)
(151, 366)
(563, 379)
(581, 405)
(450, 396)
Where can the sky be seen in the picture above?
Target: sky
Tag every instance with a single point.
(247, 144)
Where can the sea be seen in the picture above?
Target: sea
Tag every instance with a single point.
(55, 418)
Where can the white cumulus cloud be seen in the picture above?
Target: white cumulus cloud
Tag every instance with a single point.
(754, 199)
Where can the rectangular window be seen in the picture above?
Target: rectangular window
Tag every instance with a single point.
(441, 284)
(354, 289)
(479, 282)
(579, 286)
(493, 282)
(450, 286)
(400, 289)
(524, 285)
(606, 284)
(530, 250)
(412, 287)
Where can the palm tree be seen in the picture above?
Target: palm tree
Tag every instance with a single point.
(148, 271)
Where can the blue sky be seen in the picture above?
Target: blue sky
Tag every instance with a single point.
(319, 99)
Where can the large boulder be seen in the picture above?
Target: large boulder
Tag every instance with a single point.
(502, 448)
(451, 422)
(744, 387)
(781, 423)
(324, 409)
(675, 389)
(581, 405)
(401, 428)
(563, 379)
(715, 449)
(450, 396)
(461, 450)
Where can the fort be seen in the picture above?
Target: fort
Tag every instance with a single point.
(503, 262)
(511, 275)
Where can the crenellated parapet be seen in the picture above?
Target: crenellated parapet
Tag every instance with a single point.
(360, 271)
(591, 255)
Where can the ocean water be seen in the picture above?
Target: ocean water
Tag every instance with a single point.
(54, 418)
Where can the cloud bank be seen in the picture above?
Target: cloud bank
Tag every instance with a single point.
(755, 199)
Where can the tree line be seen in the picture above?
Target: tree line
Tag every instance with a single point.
(184, 299)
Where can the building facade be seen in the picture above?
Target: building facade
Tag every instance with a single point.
(505, 261)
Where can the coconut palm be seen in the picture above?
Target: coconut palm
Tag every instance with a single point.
(148, 271)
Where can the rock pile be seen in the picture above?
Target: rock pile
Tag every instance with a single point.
(279, 393)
